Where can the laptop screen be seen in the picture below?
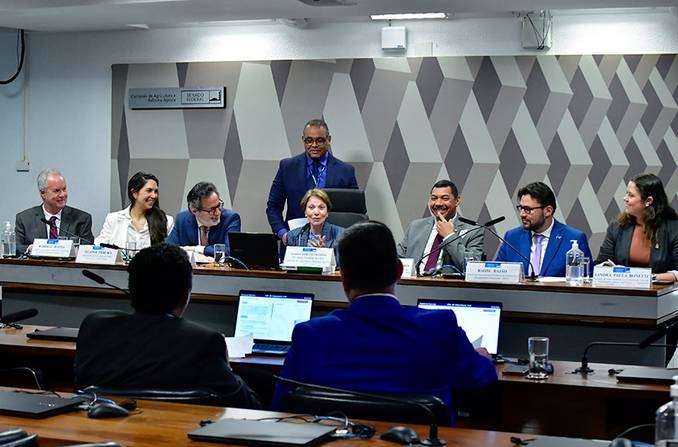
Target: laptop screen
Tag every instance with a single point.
(271, 316)
(480, 320)
(256, 250)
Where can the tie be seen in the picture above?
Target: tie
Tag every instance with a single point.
(53, 230)
(432, 260)
(203, 235)
(316, 174)
(536, 257)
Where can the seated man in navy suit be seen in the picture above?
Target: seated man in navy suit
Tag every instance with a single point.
(205, 223)
(377, 344)
(542, 239)
(316, 168)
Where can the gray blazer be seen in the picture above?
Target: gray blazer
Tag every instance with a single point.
(469, 244)
(663, 253)
(29, 227)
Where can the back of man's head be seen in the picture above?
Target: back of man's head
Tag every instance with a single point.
(160, 279)
(368, 257)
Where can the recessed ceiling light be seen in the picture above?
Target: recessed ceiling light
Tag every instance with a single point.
(410, 16)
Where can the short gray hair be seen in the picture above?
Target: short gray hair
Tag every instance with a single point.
(318, 123)
(42, 177)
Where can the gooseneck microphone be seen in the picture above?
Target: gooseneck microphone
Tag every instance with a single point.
(18, 316)
(487, 225)
(100, 280)
(584, 367)
(435, 252)
(68, 233)
(431, 441)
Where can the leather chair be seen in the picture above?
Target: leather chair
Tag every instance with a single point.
(348, 206)
(321, 402)
(199, 396)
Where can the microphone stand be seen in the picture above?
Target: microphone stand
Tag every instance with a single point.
(584, 368)
(100, 280)
(436, 251)
(533, 277)
(68, 233)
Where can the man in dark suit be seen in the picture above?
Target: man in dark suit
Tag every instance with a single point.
(205, 223)
(155, 347)
(316, 168)
(443, 226)
(541, 239)
(376, 344)
(65, 220)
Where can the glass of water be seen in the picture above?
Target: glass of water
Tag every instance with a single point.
(538, 348)
(130, 250)
(586, 273)
(219, 254)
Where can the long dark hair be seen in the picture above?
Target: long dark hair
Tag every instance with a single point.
(155, 217)
(649, 185)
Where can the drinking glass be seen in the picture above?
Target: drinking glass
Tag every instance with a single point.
(467, 259)
(538, 348)
(220, 254)
(130, 250)
(586, 272)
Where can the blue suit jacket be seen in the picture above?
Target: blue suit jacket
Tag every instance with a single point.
(185, 231)
(553, 261)
(289, 185)
(377, 345)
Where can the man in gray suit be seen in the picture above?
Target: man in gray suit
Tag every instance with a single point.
(425, 235)
(65, 221)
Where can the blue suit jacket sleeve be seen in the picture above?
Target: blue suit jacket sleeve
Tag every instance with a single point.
(276, 199)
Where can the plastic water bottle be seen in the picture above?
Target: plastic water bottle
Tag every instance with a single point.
(574, 268)
(8, 240)
(665, 422)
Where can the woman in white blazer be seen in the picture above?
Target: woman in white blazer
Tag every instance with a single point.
(143, 222)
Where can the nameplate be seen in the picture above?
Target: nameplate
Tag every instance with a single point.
(177, 98)
(494, 272)
(408, 267)
(624, 277)
(96, 254)
(52, 248)
(297, 258)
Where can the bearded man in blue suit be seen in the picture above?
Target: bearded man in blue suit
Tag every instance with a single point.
(377, 344)
(541, 239)
(315, 168)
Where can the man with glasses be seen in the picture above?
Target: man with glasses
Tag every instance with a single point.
(316, 168)
(205, 223)
(64, 220)
(541, 239)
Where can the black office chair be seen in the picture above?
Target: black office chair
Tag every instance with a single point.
(198, 396)
(348, 206)
(23, 376)
(308, 400)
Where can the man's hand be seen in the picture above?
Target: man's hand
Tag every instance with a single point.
(284, 239)
(482, 351)
(444, 227)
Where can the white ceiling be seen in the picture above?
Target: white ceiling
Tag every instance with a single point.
(91, 15)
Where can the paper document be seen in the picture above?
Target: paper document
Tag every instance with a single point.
(548, 279)
(238, 347)
(478, 342)
(296, 223)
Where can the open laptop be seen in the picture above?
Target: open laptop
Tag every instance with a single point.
(480, 320)
(35, 406)
(257, 250)
(55, 333)
(253, 432)
(270, 317)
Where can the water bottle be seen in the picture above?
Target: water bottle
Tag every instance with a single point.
(665, 421)
(574, 268)
(8, 241)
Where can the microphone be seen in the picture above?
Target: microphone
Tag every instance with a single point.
(100, 280)
(431, 441)
(489, 224)
(9, 319)
(113, 246)
(663, 330)
(584, 367)
(68, 233)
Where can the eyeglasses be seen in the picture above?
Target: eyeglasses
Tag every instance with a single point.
(318, 141)
(529, 209)
(215, 209)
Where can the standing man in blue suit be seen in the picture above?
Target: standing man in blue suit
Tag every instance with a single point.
(205, 223)
(316, 168)
(542, 239)
(377, 344)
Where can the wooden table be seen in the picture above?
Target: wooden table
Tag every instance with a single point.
(571, 316)
(594, 406)
(167, 424)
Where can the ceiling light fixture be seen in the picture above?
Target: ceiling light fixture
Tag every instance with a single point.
(410, 16)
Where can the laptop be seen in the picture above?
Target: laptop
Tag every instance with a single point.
(480, 320)
(55, 333)
(35, 406)
(647, 374)
(270, 317)
(253, 432)
(557, 441)
(256, 250)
